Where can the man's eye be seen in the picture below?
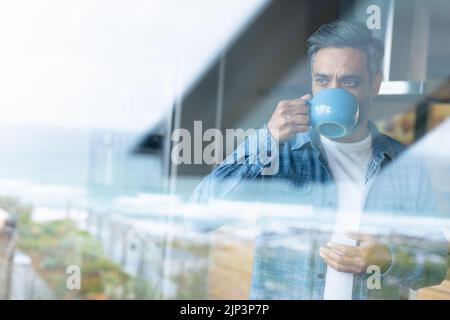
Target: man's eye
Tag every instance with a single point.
(321, 81)
(351, 83)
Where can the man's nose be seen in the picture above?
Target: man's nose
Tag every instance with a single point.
(334, 84)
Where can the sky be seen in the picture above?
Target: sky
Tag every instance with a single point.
(108, 63)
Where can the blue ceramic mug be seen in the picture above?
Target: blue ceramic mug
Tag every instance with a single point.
(334, 112)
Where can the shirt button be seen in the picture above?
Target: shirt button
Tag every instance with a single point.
(320, 276)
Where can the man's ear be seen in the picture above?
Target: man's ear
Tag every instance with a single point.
(376, 83)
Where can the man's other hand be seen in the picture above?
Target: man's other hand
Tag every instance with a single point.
(353, 259)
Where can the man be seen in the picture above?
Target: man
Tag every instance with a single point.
(355, 177)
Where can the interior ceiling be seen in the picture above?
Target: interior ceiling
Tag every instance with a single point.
(440, 27)
(440, 10)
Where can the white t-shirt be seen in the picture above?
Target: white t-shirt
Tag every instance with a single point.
(348, 163)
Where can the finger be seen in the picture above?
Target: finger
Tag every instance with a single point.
(343, 249)
(302, 101)
(341, 259)
(300, 120)
(296, 102)
(306, 97)
(291, 103)
(337, 266)
(297, 110)
(296, 128)
(359, 236)
(342, 268)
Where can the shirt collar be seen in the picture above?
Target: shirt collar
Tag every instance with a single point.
(381, 145)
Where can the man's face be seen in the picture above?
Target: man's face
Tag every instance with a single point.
(344, 68)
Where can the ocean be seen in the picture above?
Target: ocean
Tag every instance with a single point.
(63, 167)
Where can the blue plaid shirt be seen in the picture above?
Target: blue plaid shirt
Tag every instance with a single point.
(393, 188)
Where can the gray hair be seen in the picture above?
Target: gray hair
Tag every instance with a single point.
(340, 34)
